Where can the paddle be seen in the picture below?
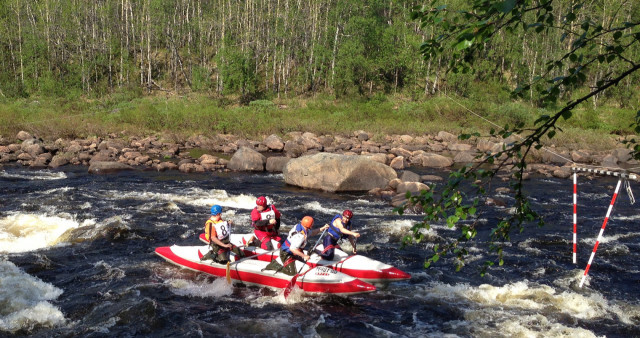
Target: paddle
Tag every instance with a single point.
(292, 282)
(229, 264)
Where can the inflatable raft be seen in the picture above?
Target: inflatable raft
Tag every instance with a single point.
(312, 280)
(358, 266)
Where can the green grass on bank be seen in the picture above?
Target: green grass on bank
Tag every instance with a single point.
(179, 117)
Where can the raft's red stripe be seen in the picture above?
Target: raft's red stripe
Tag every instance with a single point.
(354, 286)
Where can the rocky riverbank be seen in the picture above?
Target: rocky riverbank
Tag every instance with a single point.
(229, 152)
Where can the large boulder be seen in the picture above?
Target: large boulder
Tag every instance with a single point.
(59, 160)
(23, 135)
(335, 173)
(247, 159)
(431, 160)
(274, 142)
(399, 163)
(276, 163)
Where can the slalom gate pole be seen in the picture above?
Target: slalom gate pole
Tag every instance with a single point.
(575, 215)
(604, 225)
(630, 176)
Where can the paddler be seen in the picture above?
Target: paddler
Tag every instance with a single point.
(218, 232)
(339, 228)
(265, 221)
(292, 248)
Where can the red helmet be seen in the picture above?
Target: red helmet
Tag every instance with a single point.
(347, 213)
(261, 201)
(307, 222)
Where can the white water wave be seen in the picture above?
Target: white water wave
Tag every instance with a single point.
(44, 175)
(27, 232)
(628, 218)
(591, 239)
(194, 196)
(205, 288)
(25, 300)
(593, 197)
(521, 309)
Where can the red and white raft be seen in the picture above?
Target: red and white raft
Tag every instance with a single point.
(358, 266)
(312, 280)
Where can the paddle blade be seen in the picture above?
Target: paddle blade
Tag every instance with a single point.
(229, 272)
(290, 286)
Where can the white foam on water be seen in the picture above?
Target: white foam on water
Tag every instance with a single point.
(27, 232)
(109, 272)
(194, 196)
(104, 327)
(403, 227)
(591, 239)
(316, 206)
(535, 325)
(205, 289)
(25, 300)
(56, 191)
(595, 196)
(44, 175)
(365, 208)
(628, 218)
(526, 245)
(521, 309)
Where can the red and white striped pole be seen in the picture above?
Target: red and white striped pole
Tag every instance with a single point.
(604, 225)
(575, 215)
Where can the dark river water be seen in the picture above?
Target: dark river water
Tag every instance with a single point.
(76, 259)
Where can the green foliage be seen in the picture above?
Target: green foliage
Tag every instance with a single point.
(200, 79)
(344, 48)
(463, 32)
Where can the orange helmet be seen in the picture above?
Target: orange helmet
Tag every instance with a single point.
(307, 222)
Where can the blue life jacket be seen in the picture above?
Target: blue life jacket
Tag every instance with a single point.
(334, 231)
(286, 246)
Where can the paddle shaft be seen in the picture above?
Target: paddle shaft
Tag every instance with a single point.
(256, 255)
(292, 282)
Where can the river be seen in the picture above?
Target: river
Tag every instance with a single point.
(76, 258)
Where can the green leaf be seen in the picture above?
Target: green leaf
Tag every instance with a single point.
(464, 44)
(506, 6)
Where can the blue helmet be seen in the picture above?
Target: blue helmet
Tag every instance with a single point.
(216, 209)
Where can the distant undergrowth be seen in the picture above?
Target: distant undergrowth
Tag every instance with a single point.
(184, 116)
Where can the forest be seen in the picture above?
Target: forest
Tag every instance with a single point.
(266, 49)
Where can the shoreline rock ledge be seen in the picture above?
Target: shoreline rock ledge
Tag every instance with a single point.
(337, 173)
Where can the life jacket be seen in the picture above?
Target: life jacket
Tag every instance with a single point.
(222, 229)
(286, 246)
(266, 214)
(335, 231)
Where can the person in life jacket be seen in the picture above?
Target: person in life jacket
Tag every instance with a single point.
(292, 248)
(218, 233)
(339, 228)
(265, 221)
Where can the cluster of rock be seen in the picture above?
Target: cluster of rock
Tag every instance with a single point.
(443, 150)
